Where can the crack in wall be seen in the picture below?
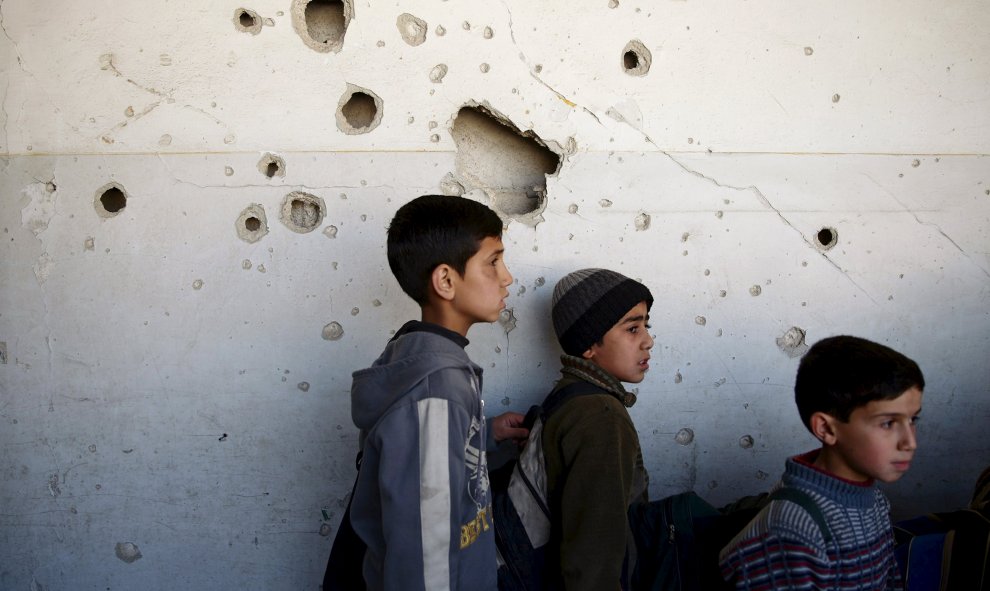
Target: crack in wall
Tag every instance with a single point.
(938, 228)
(525, 60)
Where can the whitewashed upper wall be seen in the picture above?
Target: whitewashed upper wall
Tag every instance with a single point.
(170, 389)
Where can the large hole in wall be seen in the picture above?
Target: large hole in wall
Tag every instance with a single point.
(509, 165)
(322, 23)
(110, 200)
(826, 238)
(302, 212)
(252, 224)
(359, 110)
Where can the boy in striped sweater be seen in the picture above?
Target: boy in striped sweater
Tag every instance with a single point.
(862, 401)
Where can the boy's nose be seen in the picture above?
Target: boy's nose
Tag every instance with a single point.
(648, 342)
(909, 439)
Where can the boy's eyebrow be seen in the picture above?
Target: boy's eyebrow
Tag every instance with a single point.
(636, 318)
(897, 414)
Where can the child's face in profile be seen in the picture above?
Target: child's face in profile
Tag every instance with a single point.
(624, 351)
(878, 441)
(480, 294)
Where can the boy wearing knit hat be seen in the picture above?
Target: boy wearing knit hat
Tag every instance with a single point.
(861, 400)
(593, 459)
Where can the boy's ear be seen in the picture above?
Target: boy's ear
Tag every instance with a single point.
(442, 281)
(589, 354)
(823, 427)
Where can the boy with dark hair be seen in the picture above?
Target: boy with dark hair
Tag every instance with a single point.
(862, 401)
(594, 464)
(421, 502)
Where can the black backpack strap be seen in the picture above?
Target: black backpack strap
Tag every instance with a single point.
(557, 398)
(807, 503)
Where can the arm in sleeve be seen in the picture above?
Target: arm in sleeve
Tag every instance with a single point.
(599, 456)
(422, 477)
(769, 561)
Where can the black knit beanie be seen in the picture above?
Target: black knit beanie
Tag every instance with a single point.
(588, 303)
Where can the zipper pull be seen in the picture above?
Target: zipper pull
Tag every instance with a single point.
(672, 530)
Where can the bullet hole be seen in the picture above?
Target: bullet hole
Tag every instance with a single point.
(322, 23)
(719, 214)
(198, 284)
(636, 58)
(722, 293)
(792, 342)
(330, 232)
(228, 171)
(246, 264)
(333, 331)
(325, 529)
(412, 29)
(700, 320)
(302, 212)
(605, 203)
(719, 382)
(809, 50)
(435, 138)
(440, 32)
(92, 448)
(488, 33)
(355, 311)
(916, 163)
(223, 437)
(247, 21)
(129, 112)
(90, 243)
(613, 3)
(358, 111)
(507, 318)
(826, 238)
(376, 303)
(304, 386)
(678, 378)
(506, 401)
(509, 165)
(271, 165)
(437, 73)
(450, 186)
(3, 353)
(684, 436)
(127, 551)
(746, 441)
(761, 475)
(466, 26)
(835, 98)
(572, 208)
(110, 200)
(484, 68)
(540, 282)
(755, 290)
(642, 222)
(252, 223)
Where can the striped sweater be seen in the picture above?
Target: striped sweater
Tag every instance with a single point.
(783, 547)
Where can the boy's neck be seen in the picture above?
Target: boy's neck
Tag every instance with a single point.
(826, 461)
(443, 316)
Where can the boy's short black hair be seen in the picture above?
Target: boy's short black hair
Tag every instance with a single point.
(839, 374)
(432, 230)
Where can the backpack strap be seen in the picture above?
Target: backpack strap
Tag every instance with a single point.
(557, 398)
(804, 500)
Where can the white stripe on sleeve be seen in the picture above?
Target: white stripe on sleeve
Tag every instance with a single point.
(434, 492)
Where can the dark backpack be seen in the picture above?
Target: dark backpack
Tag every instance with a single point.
(344, 567)
(678, 538)
(945, 551)
(519, 502)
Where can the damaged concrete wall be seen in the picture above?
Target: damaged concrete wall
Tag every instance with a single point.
(193, 199)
